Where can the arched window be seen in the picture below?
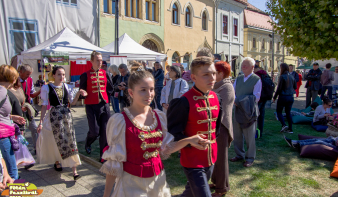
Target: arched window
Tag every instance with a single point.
(204, 21)
(175, 14)
(150, 45)
(175, 58)
(188, 17)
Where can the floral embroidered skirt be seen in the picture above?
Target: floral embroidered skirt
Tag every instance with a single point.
(56, 141)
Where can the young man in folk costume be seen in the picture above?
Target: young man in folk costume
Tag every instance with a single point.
(97, 83)
(198, 111)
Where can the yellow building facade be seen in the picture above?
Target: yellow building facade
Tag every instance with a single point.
(289, 58)
(188, 27)
(258, 42)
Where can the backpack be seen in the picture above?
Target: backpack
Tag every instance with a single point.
(268, 87)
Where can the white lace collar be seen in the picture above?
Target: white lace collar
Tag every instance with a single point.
(137, 124)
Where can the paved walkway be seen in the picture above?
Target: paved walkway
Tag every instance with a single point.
(55, 184)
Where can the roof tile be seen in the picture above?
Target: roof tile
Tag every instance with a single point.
(256, 19)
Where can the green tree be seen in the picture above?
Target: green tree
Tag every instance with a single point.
(309, 27)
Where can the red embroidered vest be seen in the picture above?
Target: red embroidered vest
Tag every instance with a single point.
(96, 86)
(143, 158)
(27, 92)
(202, 119)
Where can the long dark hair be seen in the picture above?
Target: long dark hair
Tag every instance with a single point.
(284, 68)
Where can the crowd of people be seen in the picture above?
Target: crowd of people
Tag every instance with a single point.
(156, 114)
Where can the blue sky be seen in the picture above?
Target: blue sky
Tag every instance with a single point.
(258, 3)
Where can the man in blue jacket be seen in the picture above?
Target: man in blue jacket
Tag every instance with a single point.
(313, 84)
(159, 77)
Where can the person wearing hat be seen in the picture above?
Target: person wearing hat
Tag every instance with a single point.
(257, 62)
(313, 84)
(174, 88)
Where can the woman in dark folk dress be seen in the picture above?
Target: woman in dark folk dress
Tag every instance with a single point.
(56, 143)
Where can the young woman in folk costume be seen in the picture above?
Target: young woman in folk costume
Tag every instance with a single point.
(56, 142)
(138, 140)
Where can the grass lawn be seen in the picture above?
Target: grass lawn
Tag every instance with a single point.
(278, 170)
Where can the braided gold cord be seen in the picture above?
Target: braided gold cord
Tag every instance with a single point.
(148, 155)
(144, 145)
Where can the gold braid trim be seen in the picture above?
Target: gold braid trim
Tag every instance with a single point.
(213, 141)
(100, 72)
(202, 97)
(206, 132)
(144, 136)
(148, 155)
(100, 81)
(144, 145)
(102, 86)
(207, 120)
(199, 109)
(95, 91)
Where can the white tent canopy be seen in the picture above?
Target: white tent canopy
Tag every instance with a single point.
(66, 41)
(133, 50)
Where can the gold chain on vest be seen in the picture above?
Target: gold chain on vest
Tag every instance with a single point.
(144, 136)
(148, 155)
(144, 145)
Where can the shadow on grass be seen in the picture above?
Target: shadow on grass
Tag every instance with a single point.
(274, 166)
(277, 167)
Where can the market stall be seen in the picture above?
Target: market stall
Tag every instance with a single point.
(134, 51)
(60, 49)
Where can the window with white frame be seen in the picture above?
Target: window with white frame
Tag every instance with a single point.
(175, 14)
(235, 27)
(204, 21)
(187, 17)
(68, 2)
(24, 34)
(225, 24)
(263, 44)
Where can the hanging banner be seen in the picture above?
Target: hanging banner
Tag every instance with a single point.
(117, 60)
(81, 60)
(55, 57)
